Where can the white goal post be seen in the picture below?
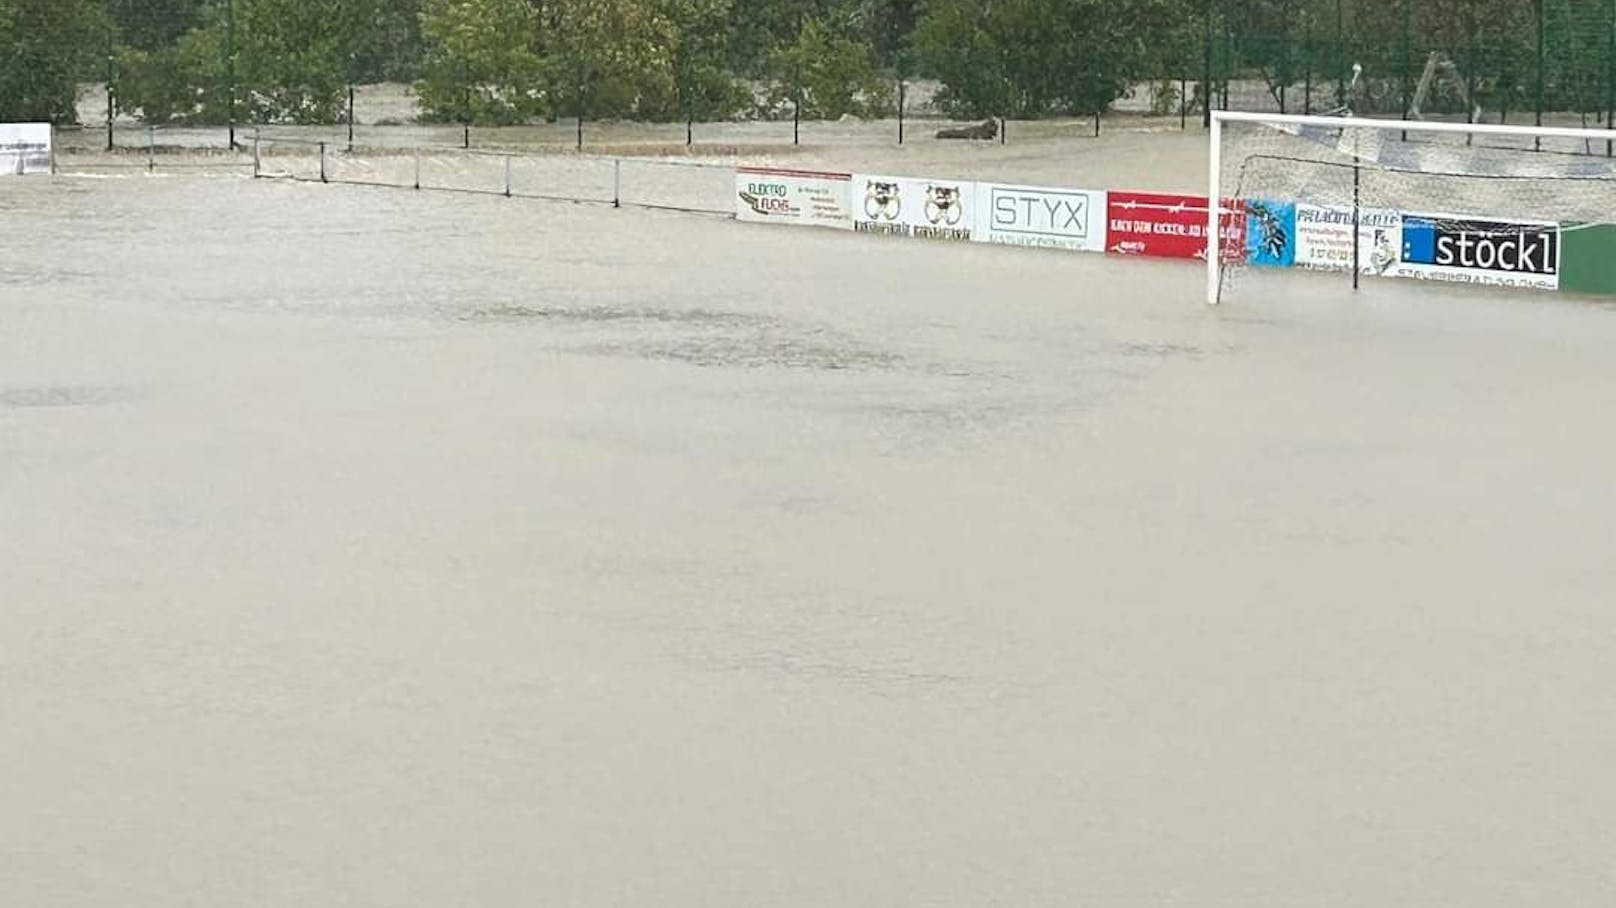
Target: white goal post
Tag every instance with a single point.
(1356, 169)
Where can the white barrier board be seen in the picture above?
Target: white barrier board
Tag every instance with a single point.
(25, 148)
(799, 197)
(901, 206)
(1040, 216)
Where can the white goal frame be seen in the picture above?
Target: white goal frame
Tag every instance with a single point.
(1215, 209)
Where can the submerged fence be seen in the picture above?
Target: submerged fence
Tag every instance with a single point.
(638, 182)
(1487, 60)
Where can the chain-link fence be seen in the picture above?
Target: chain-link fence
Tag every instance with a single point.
(1520, 61)
(222, 65)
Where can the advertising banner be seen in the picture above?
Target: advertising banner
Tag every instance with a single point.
(1468, 250)
(1324, 238)
(1270, 233)
(928, 209)
(801, 197)
(1168, 226)
(25, 148)
(1034, 216)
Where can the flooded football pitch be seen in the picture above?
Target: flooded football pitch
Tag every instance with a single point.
(378, 548)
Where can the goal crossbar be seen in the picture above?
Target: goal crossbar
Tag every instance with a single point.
(1216, 209)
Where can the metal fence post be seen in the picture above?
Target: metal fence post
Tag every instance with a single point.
(901, 88)
(1537, 144)
(322, 163)
(507, 176)
(151, 148)
(1307, 75)
(258, 163)
(617, 182)
(1610, 80)
(1407, 76)
(1340, 54)
(417, 167)
(230, 67)
(1206, 69)
(112, 102)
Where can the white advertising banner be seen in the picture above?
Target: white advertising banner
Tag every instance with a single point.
(25, 148)
(1324, 238)
(1037, 216)
(900, 206)
(801, 197)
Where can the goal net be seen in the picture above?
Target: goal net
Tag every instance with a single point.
(1475, 203)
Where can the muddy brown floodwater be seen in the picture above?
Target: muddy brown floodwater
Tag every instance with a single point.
(373, 548)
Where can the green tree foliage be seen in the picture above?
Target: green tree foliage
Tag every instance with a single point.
(506, 61)
(608, 58)
(154, 25)
(704, 86)
(292, 58)
(49, 44)
(481, 65)
(829, 72)
(1033, 58)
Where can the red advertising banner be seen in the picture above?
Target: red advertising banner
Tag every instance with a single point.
(1168, 226)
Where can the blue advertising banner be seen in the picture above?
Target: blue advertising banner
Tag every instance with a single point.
(1270, 233)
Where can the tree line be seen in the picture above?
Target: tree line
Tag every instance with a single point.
(510, 61)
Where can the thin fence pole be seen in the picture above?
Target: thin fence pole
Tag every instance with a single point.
(507, 176)
(617, 182)
(350, 117)
(230, 67)
(1537, 144)
(1610, 80)
(1357, 220)
(1307, 65)
(258, 163)
(322, 163)
(1206, 69)
(112, 105)
(1230, 62)
(900, 110)
(1471, 109)
(1340, 54)
(1183, 103)
(151, 148)
(417, 167)
(1285, 58)
(1407, 53)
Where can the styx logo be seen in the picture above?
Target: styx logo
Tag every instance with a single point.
(1040, 212)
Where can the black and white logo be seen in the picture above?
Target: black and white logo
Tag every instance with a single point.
(1496, 246)
(1038, 213)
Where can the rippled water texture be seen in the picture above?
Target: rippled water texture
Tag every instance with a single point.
(373, 548)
